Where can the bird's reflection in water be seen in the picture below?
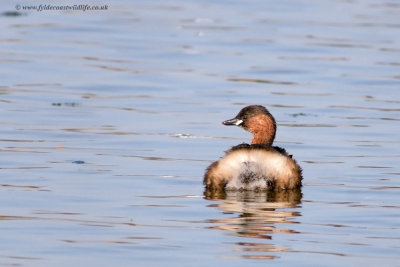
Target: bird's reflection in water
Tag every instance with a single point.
(257, 215)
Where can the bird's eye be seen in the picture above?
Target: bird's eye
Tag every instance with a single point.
(244, 117)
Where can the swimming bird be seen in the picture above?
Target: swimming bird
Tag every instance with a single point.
(255, 166)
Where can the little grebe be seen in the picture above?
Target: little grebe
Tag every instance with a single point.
(259, 166)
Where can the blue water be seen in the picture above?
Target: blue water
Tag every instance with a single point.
(110, 117)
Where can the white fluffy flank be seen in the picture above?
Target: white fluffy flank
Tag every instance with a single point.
(254, 169)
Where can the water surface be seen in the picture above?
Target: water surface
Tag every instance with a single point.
(109, 119)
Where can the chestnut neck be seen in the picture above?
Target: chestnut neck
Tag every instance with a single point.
(263, 128)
